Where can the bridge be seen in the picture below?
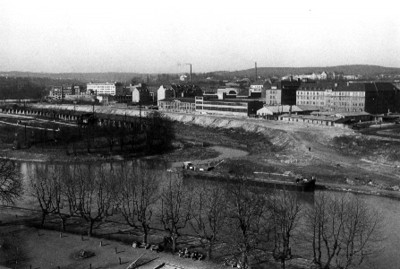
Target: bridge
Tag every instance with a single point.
(78, 114)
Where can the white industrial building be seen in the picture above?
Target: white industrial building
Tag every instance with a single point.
(102, 88)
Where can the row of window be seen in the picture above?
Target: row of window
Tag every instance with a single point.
(310, 103)
(354, 99)
(214, 108)
(347, 104)
(331, 93)
(208, 103)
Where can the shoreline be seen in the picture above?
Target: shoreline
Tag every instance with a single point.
(224, 153)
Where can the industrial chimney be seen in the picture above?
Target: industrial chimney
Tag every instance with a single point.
(256, 71)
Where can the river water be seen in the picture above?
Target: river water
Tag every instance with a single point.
(388, 257)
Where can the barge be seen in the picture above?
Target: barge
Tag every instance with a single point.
(208, 173)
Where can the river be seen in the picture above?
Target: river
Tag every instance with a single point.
(388, 258)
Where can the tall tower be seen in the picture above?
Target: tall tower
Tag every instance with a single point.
(190, 77)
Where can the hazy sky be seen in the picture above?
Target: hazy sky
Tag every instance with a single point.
(150, 36)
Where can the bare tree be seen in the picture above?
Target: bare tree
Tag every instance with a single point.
(49, 185)
(10, 181)
(343, 231)
(245, 213)
(209, 215)
(175, 207)
(71, 189)
(60, 195)
(95, 195)
(43, 185)
(284, 215)
(138, 197)
(127, 195)
(146, 197)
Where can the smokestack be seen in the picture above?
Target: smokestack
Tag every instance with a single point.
(256, 70)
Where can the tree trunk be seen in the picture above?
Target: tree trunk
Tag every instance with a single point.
(244, 260)
(145, 233)
(90, 230)
(209, 250)
(63, 221)
(43, 219)
(173, 237)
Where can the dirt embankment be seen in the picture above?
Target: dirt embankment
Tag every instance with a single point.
(304, 149)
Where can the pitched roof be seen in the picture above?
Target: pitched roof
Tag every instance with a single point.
(318, 86)
(308, 108)
(311, 117)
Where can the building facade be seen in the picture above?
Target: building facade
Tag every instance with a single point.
(164, 93)
(140, 94)
(256, 90)
(273, 95)
(282, 93)
(371, 97)
(101, 88)
(60, 92)
(177, 105)
(239, 107)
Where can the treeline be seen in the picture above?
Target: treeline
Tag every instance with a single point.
(239, 220)
(29, 87)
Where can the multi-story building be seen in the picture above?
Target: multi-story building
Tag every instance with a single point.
(102, 88)
(256, 89)
(140, 94)
(371, 97)
(56, 92)
(314, 94)
(273, 95)
(282, 93)
(59, 92)
(164, 93)
(78, 90)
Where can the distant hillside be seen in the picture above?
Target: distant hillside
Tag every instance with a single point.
(83, 77)
(364, 70)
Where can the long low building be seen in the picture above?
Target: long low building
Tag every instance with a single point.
(232, 107)
(316, 120)
(272, 112)
(338, 119)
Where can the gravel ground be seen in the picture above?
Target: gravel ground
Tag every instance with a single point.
(48, 249)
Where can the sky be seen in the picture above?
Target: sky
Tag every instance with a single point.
(161, 36)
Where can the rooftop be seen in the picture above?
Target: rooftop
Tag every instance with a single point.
(180, 99)
(281, 109)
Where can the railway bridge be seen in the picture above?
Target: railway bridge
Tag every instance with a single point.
(76, 116)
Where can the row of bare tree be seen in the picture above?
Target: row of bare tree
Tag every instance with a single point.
(246, 221)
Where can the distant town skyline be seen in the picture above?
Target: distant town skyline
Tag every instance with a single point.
(164, 36)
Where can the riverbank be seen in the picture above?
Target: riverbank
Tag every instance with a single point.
(271, 146)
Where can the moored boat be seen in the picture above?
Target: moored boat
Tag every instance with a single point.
(298, 184)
